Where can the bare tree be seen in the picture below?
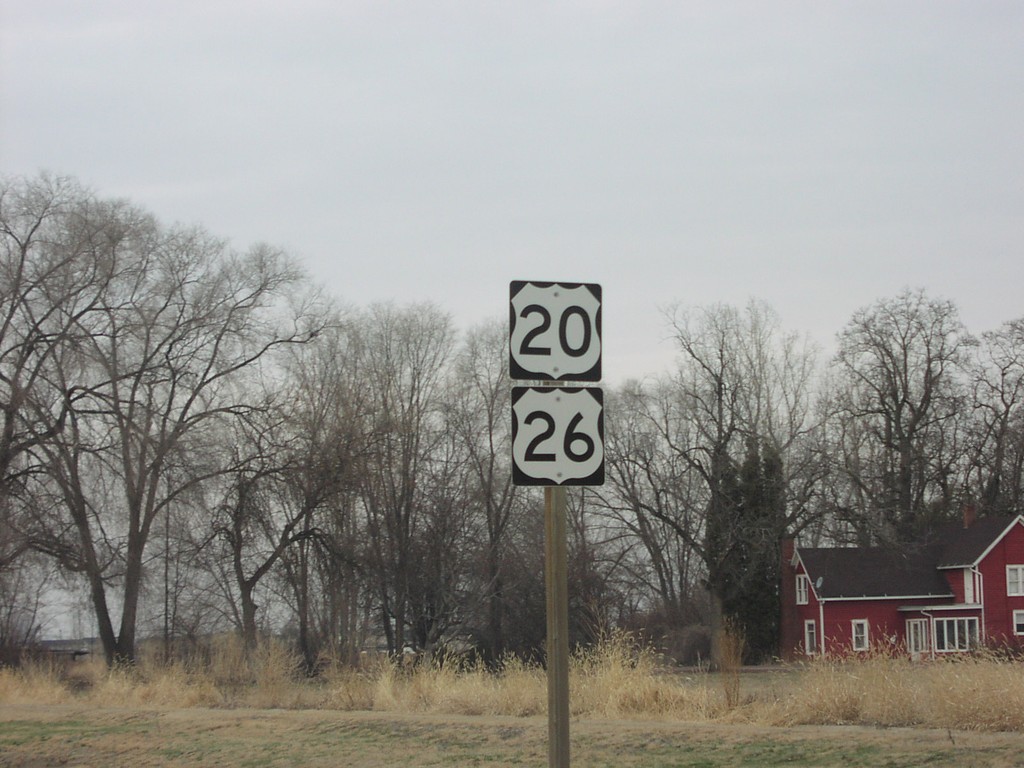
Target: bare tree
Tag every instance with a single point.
(323, 393)
(162, 355)
(653, 496)
(479, 416)
(23, 585)
(997, 469)
(898, 393)
(406, 352)
(741, 382)
(57, 258)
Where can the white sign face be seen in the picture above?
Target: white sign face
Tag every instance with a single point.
(557, 436)
(555, 331)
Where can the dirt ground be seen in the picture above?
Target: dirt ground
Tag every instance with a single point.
(78, 736)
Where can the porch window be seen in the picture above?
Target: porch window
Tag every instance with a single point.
(953, 635)
(1015, 580)
(917, 636)
(860, 634)
(810, 637)
(1018, 622)
(802, 587)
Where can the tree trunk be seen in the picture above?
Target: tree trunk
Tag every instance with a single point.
(104, 624)
(249, 635)
(130, 604)
(717, 623)
(305, 646)
(495, 605)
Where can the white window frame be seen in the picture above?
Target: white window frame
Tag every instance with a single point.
(1015, 580)
(1018, 622)
(862, 643)
(803, 589)
(962, 638)
(811, 637)
(917, 636)
(969, 596)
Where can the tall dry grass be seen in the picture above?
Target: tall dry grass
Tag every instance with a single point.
(731, 647)
(982, 691)
(34, 683)
(619, 678)
(452, 685)
(93, 683)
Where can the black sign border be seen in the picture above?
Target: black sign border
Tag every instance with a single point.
(518, 372)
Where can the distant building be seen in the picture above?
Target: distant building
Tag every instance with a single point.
(962, 589)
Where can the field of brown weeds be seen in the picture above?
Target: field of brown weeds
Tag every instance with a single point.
(617, 680)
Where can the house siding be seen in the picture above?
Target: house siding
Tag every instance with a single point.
(887, 616)
(794, 616)
(999, 607)
(955, 579)
(791, 624)
(886, 623)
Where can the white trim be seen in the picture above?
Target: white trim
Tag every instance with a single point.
(967, 644)
(942, 607)
(980, 584)
(1018, 621)
(923, 626)
(811, 631)
(803, 566)
(866, 645)
(882, 597)
(803, 595)
(1020, 579)
(821, 625)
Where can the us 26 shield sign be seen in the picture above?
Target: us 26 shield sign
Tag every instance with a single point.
(557, 436)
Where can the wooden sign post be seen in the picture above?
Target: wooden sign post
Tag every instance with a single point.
(557, 440)
(556, 584)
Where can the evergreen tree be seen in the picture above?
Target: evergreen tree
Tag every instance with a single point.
(749, 567)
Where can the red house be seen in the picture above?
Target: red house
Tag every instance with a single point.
(961, 589)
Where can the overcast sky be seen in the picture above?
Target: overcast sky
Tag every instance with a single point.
(819, 156)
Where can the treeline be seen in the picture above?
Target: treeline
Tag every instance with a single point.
(196, 441)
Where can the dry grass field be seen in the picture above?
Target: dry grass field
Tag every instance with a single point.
(628, 710)
(40, 736)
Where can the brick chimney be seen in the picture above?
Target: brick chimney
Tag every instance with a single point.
(788, 549)
(970, 515)
(789, 621)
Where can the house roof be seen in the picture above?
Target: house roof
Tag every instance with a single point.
(873, 572)
(853, 572)
(964, 547)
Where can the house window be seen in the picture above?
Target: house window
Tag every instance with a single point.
(968, 585)
(810, 637)
(917, 636)
(1018, 622)
(956, 634)
(1015, 580)
(802, 588)
(860, 634)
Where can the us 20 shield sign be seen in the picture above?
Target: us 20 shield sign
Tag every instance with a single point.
(557, 436)
(554, 331)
